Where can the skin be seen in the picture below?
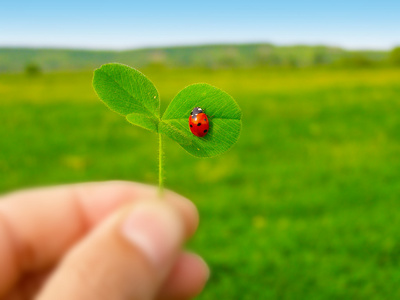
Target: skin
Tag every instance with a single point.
(110, 240)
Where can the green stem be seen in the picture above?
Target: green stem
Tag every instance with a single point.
(160, 166)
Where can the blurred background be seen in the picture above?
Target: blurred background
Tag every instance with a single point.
(307, 203)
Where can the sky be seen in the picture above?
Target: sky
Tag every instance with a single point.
(136, 24)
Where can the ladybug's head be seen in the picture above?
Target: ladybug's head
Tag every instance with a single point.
(196, 111)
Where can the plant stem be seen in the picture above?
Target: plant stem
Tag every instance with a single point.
(160, 166)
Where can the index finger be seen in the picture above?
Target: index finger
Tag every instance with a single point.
(38, 226)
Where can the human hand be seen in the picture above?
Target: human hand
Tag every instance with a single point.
(111, 240)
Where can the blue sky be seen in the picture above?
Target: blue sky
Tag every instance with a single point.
(131, 24)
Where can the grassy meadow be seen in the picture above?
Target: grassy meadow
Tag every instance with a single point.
(305, 206)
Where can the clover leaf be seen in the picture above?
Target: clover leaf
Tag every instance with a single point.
(131, 94)
(224, 118)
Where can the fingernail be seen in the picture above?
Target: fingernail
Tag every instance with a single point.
(155, 230)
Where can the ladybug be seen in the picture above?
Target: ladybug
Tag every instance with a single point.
(198, 122)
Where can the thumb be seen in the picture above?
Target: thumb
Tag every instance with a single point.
(127, 257)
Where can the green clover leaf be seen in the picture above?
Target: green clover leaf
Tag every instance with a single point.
(131, 94)
(224, 118)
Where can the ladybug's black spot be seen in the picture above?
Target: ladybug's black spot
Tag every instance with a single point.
(205, 120)
(191, 125)
(199, 124)
(205, 131)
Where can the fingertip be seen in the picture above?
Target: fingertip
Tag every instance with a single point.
(187, 278)
(187, 209)
(99, 199)
(156, 229)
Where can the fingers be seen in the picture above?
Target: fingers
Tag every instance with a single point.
(28, 286)
(187, 278)
(37, 227)
(185, 281)
(128, 256)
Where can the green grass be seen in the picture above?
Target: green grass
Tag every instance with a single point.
(305, 206)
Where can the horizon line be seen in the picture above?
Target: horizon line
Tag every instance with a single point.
(184, 45)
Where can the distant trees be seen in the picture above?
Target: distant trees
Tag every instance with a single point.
(275, 59)
(321, 57)
(211, 57)
(157, 59)
(32, 69)
(229, 58)
(394, 57)
(355, 60)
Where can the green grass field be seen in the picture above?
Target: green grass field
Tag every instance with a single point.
(305, 206)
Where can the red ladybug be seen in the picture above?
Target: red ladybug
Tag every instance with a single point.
(198, 122)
